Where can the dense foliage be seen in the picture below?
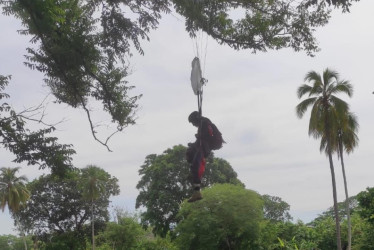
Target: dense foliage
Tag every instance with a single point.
(165, 182)
(275, 209)
(58, 207)
(228, 217)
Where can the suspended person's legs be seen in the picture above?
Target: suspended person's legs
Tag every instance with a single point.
(197, 171)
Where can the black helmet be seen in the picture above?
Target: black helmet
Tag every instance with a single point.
(194, 117)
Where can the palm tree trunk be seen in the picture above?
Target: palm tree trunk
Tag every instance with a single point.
(21, 231)
(337, 219)
(93, 225)
(24, 241)
(347, 210)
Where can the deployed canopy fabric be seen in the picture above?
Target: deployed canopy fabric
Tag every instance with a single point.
(196, 76)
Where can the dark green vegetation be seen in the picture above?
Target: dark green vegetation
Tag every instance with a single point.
(58, 214)
(165, 183)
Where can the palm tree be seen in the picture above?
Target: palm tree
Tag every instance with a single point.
(347, 140)
(13, 191)
(326, 108)
(94, 185)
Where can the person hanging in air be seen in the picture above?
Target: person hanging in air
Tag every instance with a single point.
(208, 138)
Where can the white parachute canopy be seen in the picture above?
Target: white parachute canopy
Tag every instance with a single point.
(196, 76)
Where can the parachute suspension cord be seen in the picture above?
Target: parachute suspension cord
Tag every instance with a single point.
(200, 48)
(200, 102)
(200, 106)
(206, 51)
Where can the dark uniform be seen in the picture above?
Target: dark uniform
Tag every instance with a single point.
(198, 151)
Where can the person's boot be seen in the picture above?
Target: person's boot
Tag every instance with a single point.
(195, 196)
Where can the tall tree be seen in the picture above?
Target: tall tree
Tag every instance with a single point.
(325, 112)
(94, 179)
(13, 193)
(165, 182)
(347, 141)
(81, 46)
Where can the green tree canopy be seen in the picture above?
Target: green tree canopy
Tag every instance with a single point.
(275, 209)
(366, 202)
(165, 182)
(58, 206)
(81, 46)
(228, 217)
(125, 233)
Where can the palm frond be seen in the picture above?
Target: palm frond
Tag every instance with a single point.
(316, 80)
(323, 145)
(343, 87)
(302, 90)
(340, 106)
(348, 135)
(316, 120)
(330, 119)
(312, 76)
(302, 107)
(329, 76)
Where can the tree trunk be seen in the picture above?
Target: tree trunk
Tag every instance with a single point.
(24, 241)
(19, 227)
(93, 225)
(347, 210)
(337, 219)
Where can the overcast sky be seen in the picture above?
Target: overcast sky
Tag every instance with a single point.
(250, 97)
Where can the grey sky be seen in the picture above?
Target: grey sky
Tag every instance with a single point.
(251, 98)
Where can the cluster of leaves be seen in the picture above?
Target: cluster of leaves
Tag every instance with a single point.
(32, 147)
(344, 4)
(265, 25)
(80, 60)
